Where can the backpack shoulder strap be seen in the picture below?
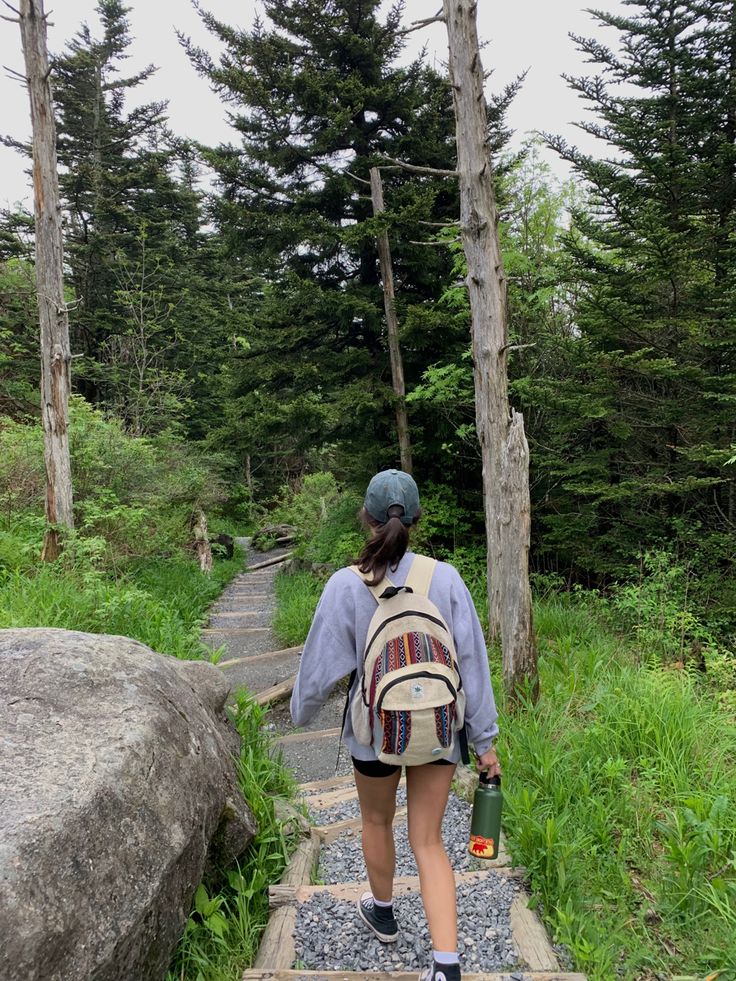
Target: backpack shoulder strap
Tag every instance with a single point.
(375, 590)
(420, 574)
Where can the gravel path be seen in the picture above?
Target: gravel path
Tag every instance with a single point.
(347, 809)
(342, 860)
(330, 936)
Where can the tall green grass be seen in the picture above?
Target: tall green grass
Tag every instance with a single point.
(224, 929)
(161, 602)
(621, 785)
(297, 594)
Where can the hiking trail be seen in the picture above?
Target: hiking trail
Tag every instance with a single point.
(313, 930)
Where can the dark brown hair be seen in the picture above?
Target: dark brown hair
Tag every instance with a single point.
(387, 546)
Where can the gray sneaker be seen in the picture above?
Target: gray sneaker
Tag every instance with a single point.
(380, 919)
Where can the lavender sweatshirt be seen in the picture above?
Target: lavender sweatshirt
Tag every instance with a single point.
(336, 641)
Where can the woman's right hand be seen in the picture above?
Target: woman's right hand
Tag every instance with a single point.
(488, 761)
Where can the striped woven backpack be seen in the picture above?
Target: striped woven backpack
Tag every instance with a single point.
(408, 703)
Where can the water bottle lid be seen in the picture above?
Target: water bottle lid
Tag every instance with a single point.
(489, 781)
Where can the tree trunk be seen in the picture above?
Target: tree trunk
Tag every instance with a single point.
(53, 317)
(201, 540)
(504, 449)
(392, 325)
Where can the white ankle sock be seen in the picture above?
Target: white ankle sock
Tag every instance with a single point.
(380, 902)
(445, 957)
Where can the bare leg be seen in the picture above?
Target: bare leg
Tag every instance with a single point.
(377, 796)
(427, 789)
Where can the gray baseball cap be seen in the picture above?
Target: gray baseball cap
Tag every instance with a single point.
(391, 487)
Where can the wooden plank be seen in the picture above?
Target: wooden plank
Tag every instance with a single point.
(277, 950)
(403, 885)
(259, 657)
(530, 936)
(235, 630)
(308, 736)
(330, 783)
(321, 801)
(238, 613)
(256, 974)
(329, 832)
(242, 594)
(277, 692)
(264, 565)
(302, 863)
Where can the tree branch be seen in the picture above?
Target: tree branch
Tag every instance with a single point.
(417, 25)
(516, 347)
(412, 168)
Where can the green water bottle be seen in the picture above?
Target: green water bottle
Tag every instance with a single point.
(485, 822)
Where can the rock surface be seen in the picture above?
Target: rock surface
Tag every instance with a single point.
(118, 791)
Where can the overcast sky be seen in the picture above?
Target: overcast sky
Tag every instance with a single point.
(522, 34)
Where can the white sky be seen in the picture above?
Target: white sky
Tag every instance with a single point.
(522, 34)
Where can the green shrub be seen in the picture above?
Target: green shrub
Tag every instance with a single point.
(224, 928)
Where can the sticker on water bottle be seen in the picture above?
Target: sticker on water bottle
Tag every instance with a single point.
(482, 847)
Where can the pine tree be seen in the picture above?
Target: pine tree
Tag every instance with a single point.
(317, 98)
(654, 390)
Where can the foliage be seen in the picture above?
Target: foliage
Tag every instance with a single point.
(136, 495)
(224, 928)
(297, 594)
(618, 785)
(318, 95)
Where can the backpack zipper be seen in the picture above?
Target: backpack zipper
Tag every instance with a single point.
(418, 674)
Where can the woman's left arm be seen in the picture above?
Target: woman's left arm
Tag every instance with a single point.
(329, 652)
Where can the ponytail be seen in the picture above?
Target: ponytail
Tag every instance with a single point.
(387, 545)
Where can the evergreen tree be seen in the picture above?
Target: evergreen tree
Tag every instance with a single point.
(317, 98)
(650, 420)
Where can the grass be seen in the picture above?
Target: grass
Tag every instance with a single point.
(224, 929)
(620, 787)
(161, 602)
(296, 600)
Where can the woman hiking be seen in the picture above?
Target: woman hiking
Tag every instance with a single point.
(336, 647)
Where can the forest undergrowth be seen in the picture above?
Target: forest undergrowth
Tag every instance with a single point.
(620, 781)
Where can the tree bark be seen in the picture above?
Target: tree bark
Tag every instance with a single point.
(201, 540)
(53, 317)
(392, 325)
(504, 449)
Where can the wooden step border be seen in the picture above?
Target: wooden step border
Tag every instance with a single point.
(281, 895)
(277, 949)
(276, 693)
(235, 630)
(264, 565)
(530, 936)
(307, 736)
(329, 783)
(256, 974)
(329, 832)
(248, 658)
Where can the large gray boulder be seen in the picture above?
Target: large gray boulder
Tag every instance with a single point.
(117, 791)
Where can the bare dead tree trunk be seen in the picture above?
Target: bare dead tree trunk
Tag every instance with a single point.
(53, 317)
(504, 449)
(392, 324)
(201, 540)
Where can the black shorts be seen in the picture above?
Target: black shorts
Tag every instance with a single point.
(374, 768)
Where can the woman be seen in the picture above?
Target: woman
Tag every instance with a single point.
(333, 649)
